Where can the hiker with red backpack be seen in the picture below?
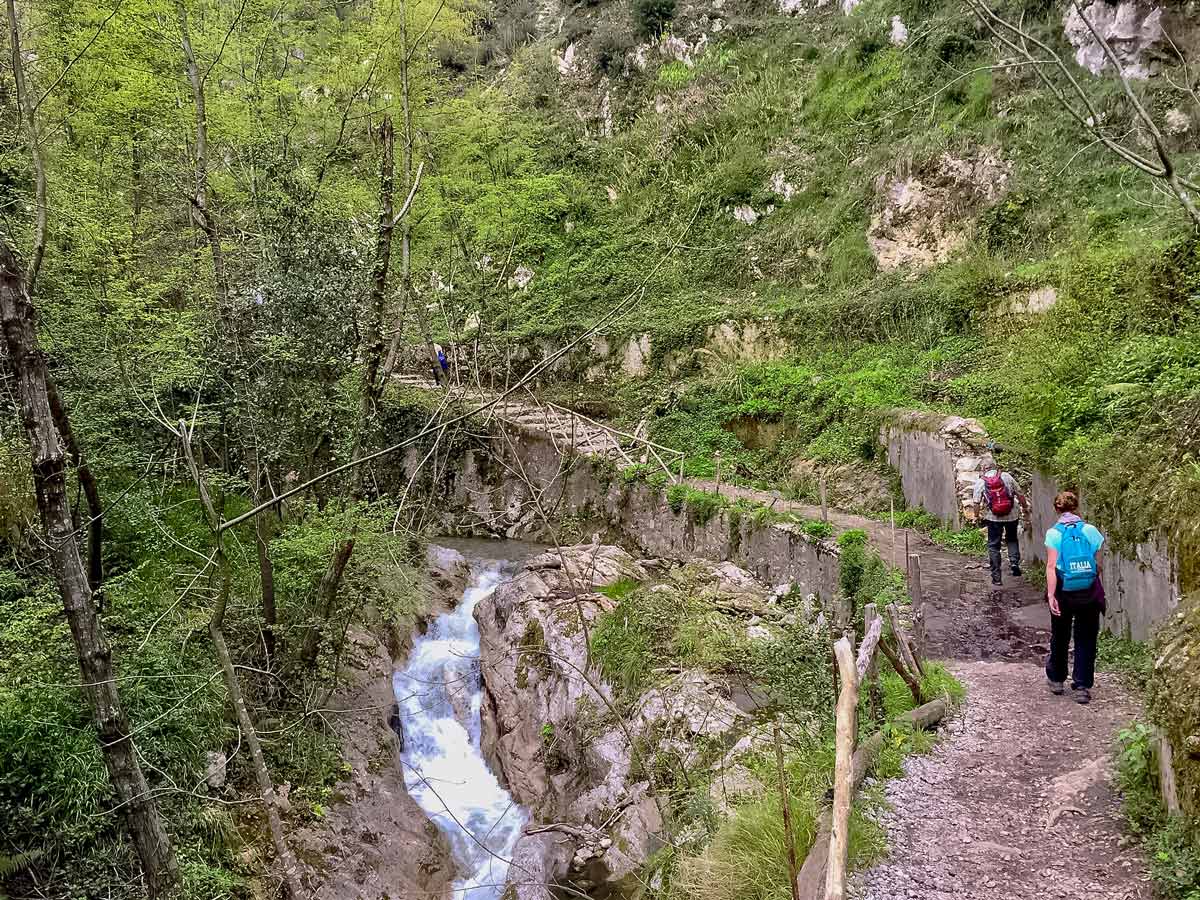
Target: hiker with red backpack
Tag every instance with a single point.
(1076, 597)
(996, 496)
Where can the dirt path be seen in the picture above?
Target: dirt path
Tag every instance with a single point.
(1015, 802)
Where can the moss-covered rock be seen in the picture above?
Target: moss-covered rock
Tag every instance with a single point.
(1174, 687)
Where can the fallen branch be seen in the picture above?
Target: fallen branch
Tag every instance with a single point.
(913, 684)
(906, 649)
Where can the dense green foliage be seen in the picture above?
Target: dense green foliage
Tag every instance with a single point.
(1172, 844)
(546, 199)
(1099, 389)
(684, 623)
(260, 354)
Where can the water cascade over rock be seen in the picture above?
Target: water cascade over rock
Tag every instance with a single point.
(439, 695)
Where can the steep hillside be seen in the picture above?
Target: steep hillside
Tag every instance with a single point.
(903, 211)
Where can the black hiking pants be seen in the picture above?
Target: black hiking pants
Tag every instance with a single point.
(1082, 620)
(1006, 532)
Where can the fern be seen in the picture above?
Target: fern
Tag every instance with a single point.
(11, 865)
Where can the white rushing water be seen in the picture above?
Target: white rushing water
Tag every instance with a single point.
(439, 693)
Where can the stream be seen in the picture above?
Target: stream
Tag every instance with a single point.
(440, 693)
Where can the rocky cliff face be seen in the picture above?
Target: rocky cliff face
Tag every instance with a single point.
(374, 842)
(572, 751)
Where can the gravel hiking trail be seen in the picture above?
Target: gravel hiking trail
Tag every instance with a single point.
(1017, 798)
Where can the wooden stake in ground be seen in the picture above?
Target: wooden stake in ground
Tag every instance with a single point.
(717, 465)
(871, 617)
(811, 882)
(1166, 775)
(824, 499)
(894, 564)
(902, 641)
(917, 591)
(843, 777)
(786, 802)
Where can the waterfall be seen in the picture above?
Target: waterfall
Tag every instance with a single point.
(440, 693)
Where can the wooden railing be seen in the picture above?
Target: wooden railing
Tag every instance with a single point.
(823, 875)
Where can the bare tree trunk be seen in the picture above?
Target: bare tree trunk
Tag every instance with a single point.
(406, 53)
(28, 113)
(327, 590)
(29, 122)
(91, 491)
(201, 213)
(146, 828)
(266, 569)
(372, 389)
(216, 629)
(137, 194)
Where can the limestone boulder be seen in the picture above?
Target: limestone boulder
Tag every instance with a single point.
(924, 217)
(1133, 29)
(449, 573)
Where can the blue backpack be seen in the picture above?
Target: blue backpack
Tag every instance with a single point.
(1076, 564)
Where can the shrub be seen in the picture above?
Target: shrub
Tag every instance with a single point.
(611, 41)
(675, 74)
(653, 16)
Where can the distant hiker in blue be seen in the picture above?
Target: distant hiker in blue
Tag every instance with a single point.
(444, 371)
(1076, 597)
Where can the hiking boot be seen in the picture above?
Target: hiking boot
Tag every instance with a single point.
(996, 578)
(1083, 695)
(1056, 687)
(1016, 570)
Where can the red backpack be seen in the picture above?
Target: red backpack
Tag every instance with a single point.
(999, 500)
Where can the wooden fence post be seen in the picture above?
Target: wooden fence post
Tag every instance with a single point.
(894, 565)
(917, 591)
(870, 617)
(843, 775)
(824, 499)
(905, 648)
(1166, 774)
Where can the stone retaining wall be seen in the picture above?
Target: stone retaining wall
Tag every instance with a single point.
(487, 495)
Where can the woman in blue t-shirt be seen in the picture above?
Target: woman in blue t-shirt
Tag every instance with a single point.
(1076, 610)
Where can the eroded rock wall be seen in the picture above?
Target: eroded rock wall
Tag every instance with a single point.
(574, 753)
(522, 476)
(1173, 692)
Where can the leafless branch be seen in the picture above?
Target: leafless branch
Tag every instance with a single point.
(1017, 39)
